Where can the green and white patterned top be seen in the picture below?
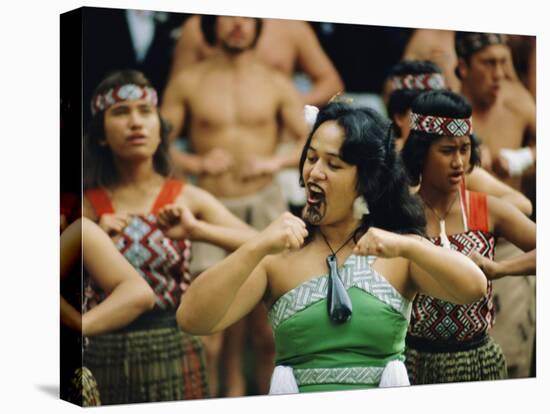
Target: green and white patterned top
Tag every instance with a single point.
(327, 356)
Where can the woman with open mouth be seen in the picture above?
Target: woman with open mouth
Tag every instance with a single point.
(338, 282)
(449, 342)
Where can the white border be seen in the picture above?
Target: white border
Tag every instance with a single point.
(29, 207)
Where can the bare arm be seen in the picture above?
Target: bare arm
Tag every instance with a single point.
(70, 248)
(230, 289)
(316, 64)
(508, 222)
(524, 264)
(433, 270)
(172, 107)
(292, 116)
(445, 274)
(512, 225)
(225, 292)
(483, 182)
(173, 110)
(188, 48)
(215, 223)
(128, 294)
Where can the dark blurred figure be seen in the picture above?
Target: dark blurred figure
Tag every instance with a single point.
(362, 54)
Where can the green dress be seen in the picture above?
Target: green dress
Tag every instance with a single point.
(325, 356)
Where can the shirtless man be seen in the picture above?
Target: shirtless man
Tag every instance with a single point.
(232, 107)
(284, 45)
(504, 118)
(503, 110)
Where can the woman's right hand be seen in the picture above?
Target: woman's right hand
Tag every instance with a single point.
(288, 232)
(114, 223)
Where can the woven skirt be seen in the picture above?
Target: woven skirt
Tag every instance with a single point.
(481, 363)
(161, 364)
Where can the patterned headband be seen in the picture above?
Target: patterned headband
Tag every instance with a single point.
(468, 43)
(422, 81)
(127, 92)
(440, 125)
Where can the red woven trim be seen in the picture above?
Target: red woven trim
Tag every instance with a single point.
(440, 125)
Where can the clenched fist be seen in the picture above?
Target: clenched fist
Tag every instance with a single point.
(286, 233)
(177, 222)
(216, 162)
(487, 266)
(114, 223)
(381, 243)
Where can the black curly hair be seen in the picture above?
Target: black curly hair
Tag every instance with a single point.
(381, 178)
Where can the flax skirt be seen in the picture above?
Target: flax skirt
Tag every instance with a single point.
(483, 363)
(161, 364)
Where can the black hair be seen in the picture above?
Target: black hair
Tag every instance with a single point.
(400, 100)
(98, 163)
(381, 178)
(469, 43)
(436, 103)
(208, 29)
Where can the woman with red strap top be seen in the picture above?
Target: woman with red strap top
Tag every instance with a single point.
(448, 342)
(151, 218)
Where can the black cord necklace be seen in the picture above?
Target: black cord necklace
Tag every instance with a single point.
(338, 301)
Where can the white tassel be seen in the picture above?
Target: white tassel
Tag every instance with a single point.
(310, 115)
(360, 208)
(283, 381)
(394, 375)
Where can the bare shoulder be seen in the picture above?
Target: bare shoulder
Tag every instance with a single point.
(191, 195)
(191, 27)
(497, 207)
(279, 279)
(518, 99)
(283, 27)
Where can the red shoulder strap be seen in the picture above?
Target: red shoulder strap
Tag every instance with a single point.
(100, 201)
(170, 191)
(478, 216)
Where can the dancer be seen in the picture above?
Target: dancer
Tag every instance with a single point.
(233, 107)
(105, 271)
(411, 78)
(449, 342)
(339, 288)
(151, 218)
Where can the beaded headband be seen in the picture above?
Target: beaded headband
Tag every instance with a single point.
(127, 92)
(468, 43)
(422, 81)
(440, 125)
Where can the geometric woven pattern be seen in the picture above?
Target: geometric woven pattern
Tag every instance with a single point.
(128, 92)
(440, 125)
(436, 319)
(356, 272)
(422, 81)
(352, 375)
(161, 261)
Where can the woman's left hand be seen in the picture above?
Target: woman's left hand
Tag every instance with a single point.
(487, 266)
(177, 222)
(381, 243)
